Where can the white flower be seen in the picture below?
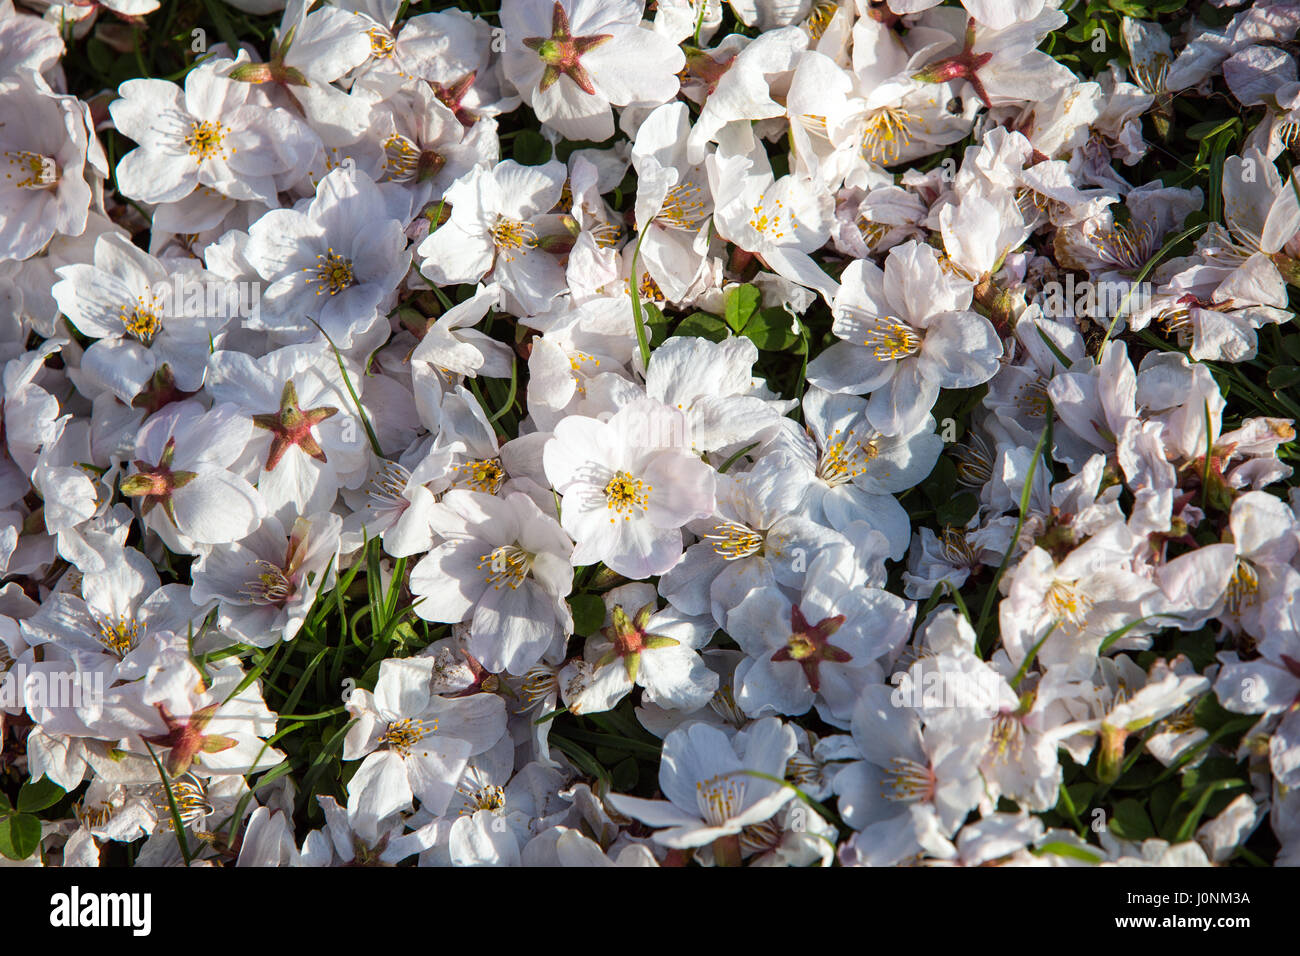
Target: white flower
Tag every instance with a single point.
(336, 260)
(414, 744)
(213, 133)
(266, 583)
(822, 648)
(180, 476)
(908, 331)
(46, 143)
(628, 486)
(780, 221)
(710, 795)
(504, 566)
(498, 220)
(642, 645)
(575, 58)
(452, 345)
(145, 313)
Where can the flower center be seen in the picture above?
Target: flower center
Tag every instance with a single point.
(761, 837)
(1007, 737)
(907, 781)
(1030, 202)
(510, 235)
(482, 474)
(97, 815)
(1031, 398)
(957, 549)
(974, 462)
(723, 703)
(576, 359)
(1181, 721)
(333, 272)
(683, 208)
(1151, 76)
(206, 139)
(623, 494)
(483, 798)
(508, 564)
(1125, 245)
(873, 233)
(719, 798)
(402, 158)
(271, 586)
(36, 171)
(771, 222)
(1243, 587)
(540, 681)
(190, 797)
(733, 540)
(121, 635)
(404, 734)
(141, 321)
(800, 646)
(381, 43)
(1178, 321)
(388, 485)
(890, 338)
(887, 134)
(846, 459)
(819, 18)
(803, 771)
(1068, 604)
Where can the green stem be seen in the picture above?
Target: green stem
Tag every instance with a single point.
(637, 318)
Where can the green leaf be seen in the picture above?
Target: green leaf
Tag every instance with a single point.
(1135, 10)
(702, 325)
(40, 795)
(656, 322)
(770, 330)
(100, 56)
(588, 613)
(736, 457)
(1199, 131)
(741, 303)
(5, 806)
(1189, 823)
(1070, 850)
(626, 772)
(941, 483)
(957, 510)
(1081, 793)
(530, 148)
(1129, 821)
(1284, 376)
(20, 835)
(1210, 714)
(1161, 804)
(638, 313)
(1291, 345)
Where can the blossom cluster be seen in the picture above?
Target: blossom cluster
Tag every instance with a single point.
(584, 433)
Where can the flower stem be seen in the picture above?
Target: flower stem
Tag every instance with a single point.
(637, 318)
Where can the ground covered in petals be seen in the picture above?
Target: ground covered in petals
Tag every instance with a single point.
(611, 433)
